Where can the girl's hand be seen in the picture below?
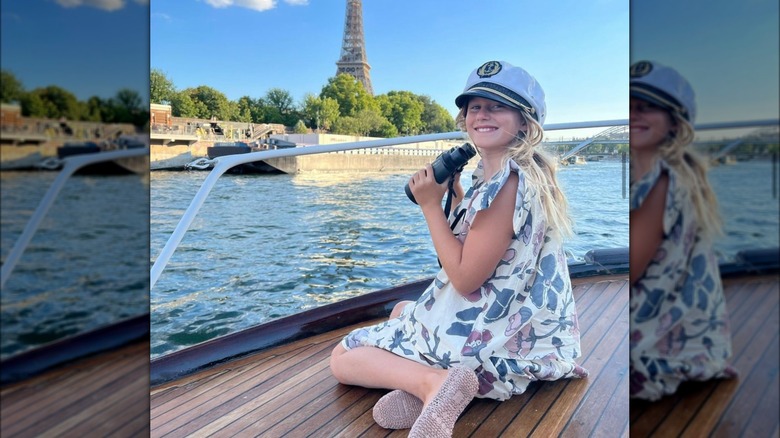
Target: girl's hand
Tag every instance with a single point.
(425, 188)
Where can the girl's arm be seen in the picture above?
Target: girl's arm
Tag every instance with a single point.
(646, 230)
(470, 263)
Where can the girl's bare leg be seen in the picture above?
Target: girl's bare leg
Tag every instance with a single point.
(398, 308)
(371, 367)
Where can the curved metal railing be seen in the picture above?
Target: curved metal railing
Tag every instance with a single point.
(223, 163)
(69, 166)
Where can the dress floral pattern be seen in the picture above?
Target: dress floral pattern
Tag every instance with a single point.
(679, 322)
(519, 326)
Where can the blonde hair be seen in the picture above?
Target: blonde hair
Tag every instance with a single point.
(539, 169)
(692, 169)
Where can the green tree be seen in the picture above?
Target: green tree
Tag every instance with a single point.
(11, 89)
(280, 105)
(52, 102)
(367, 122)
(319, 112)
(349, 93)
(404, 110)
(127, 107)
(33, 105)
(161, 88)
(300, 128)
(129, 99)
(279, 99)
(210, 102)
(435, 118)
(345, 125)
(96, 109)
(245, 104)
(183, 106)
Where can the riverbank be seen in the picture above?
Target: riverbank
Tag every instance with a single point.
(175, 151)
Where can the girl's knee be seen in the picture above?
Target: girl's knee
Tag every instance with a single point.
(398, 308)
(335, 361)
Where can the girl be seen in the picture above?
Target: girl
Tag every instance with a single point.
(679, 324)
(500, 313)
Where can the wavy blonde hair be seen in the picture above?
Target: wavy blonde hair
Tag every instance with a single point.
(692, 169)
(540, 171)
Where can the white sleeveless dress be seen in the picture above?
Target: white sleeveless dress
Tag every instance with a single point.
(518, 327)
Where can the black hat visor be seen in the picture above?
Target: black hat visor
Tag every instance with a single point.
(657, 97)
(488, 94)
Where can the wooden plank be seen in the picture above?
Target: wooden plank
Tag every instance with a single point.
(583, 415)
(82, 396)
(609, 363)
(81, 422)
(761, 421)
(727, 407)
(35, 394)
(221, 380)
(183, 389)
(752, 387)
(355, 403)
(289, 391)
(548, 392)
(215, 402)
(260, 408)
(708, 400)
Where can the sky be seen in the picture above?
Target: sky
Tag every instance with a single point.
(88, 47)
(727, 50)
(578, 51)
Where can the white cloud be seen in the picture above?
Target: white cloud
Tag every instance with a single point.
(165, 17)
(257, 5)
(106, 5)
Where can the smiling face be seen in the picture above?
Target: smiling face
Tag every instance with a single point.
(491, 125)
(649, 125)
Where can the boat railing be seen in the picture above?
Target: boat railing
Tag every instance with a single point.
(224, 163)
(70, 165)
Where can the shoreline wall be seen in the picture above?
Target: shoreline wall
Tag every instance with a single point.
(413, 156)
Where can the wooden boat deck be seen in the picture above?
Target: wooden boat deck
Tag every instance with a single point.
(289, 391)
(103, 395)
(746, 406)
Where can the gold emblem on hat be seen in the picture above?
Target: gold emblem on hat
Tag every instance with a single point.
(640, 69)
(489, 69)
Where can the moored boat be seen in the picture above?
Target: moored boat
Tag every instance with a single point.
(270, 166)
(121, 166)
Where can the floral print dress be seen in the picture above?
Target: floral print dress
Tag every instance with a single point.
(679, 324)
(519, 326)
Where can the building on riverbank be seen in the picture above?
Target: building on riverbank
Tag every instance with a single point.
(27, 141)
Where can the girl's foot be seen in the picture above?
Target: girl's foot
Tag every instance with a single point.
(397, 410)
(439, 416)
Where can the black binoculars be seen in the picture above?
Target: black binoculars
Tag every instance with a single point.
(448, 163)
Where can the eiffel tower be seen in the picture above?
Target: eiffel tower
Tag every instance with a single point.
(353, 59)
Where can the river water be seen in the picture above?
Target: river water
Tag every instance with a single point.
(263, 247)
(87, 266)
